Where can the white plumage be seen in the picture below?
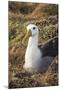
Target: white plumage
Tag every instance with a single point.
(33, 53)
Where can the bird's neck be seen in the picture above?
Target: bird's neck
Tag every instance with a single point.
(33, 41)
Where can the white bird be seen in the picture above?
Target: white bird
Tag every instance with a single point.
(33, 53)
(38, 59)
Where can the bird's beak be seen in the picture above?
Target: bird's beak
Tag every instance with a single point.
(28, 34)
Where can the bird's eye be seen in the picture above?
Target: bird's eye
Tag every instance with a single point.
(33, 28)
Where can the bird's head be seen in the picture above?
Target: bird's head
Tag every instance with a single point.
(32, 30)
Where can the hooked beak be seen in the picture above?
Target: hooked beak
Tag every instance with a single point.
(28, 34)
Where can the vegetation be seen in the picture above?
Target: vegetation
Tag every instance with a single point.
(45, 16)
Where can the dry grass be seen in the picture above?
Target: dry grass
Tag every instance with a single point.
(45, 17)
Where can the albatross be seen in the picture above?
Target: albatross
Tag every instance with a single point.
(38, 59)
(33, 53)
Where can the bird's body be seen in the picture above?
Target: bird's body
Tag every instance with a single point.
(38, 59)
(33, 53)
